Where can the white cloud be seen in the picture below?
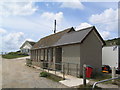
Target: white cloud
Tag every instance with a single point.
(29, 39)
(107, 19)
(17, 8)
(47, 5)
(2, 31)
(52, 16)
(13, 41)
(72, 4)
(34, 24)
(83, 25)
(105, 34)
(30, 26)
(108, 15)
(106, 22)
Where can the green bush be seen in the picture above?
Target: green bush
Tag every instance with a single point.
(44, 74)
(12, 55)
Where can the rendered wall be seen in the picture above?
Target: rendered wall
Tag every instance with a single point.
(91, 52)
(71, 55)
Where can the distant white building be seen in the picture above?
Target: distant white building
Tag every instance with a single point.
(110, 56)
(25, 48)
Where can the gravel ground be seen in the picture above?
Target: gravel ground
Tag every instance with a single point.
(16, 75)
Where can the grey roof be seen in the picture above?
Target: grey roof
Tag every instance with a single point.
(73, 37)
(50, 40)
(68, 36)
(30, 42)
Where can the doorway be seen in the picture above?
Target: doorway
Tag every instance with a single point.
(58, 59)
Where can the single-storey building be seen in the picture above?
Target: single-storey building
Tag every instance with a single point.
(26, 46)
(70, 48)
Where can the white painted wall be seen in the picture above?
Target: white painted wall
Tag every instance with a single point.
(27, 46)
(110, 56)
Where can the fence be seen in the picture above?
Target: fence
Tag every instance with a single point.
(28, 61)
(66, 68)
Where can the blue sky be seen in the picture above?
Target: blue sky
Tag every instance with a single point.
(22, 21)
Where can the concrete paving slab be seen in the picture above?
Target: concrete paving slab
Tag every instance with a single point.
(73, 81)
(70, 81)
(23, 57)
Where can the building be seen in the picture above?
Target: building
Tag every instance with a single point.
(71, 48)
(110, 56)
(26, 46)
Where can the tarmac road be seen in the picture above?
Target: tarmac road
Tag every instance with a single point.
(16, 75)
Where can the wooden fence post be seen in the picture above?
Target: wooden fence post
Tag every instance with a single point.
(68, 69)
(77, 70)
(63, 71)
(55, 68)
(48, 66)
(43, 65)
(84, 74)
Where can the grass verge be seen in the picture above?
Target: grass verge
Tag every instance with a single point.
(104, 76)
(87, 87)
(51, 76)
(13, 55)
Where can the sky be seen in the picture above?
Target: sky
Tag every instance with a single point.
(21, 21)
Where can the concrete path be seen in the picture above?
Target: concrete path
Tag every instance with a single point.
(22, 58)
(70, 81)
(16, 75)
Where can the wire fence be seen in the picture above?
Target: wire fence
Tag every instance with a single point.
(63, 67)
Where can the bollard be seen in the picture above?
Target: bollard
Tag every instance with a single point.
(63, 71)
(84, 74)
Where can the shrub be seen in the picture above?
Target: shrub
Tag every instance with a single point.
(44, 74)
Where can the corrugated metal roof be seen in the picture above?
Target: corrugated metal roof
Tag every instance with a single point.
(73, 37)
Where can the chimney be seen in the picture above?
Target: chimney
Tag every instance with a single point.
(55, 26)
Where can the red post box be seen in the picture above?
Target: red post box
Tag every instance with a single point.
(89, 70)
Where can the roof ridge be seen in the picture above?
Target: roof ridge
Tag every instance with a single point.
(28, 41)
(58, 32)
(85, 28)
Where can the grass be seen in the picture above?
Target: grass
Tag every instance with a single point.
(87, 87)
(101, 76)
(51, 76)
(104, 76)
(13, 55)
